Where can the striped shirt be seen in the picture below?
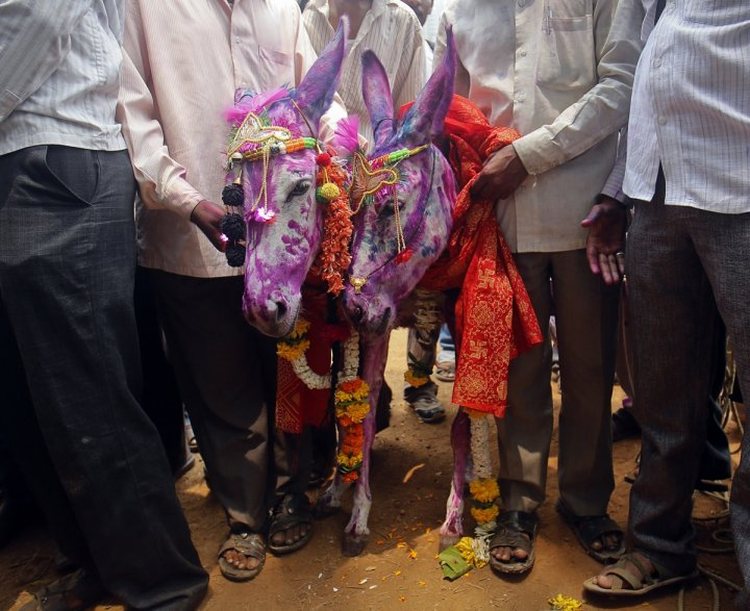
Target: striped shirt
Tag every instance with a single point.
(691, 108)
(392, 31)
(59, 73)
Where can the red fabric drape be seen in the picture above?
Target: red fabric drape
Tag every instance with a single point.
(494, 317)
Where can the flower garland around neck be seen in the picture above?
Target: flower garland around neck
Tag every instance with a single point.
(351, 398)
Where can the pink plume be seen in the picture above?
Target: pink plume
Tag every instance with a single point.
(346, 135)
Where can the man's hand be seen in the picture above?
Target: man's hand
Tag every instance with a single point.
(606, 240)
(501, 175)
(207, 215)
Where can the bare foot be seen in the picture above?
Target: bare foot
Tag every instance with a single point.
(642, 567)
(290, 535)
(240, 561)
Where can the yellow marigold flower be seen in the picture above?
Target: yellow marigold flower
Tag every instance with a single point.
(565, 603)
(329, 191)
(484, 490)
(415, 380)
(466, 548)
(292, 352)
(301, 327)
(482, 516)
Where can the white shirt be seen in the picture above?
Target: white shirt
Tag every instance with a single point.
(392, 31)
(561, 74)
(59, 73)
(184, 60)
(691, 108)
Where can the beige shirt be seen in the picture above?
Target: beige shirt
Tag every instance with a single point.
(392, 31)
(183, 62)
(560, 72)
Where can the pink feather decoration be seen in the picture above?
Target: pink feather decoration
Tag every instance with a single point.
(346, 135)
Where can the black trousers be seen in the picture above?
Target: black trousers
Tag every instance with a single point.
(67, 329)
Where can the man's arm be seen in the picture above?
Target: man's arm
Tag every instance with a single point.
(607, 222)
(604, 108)
(161, 179)
(34, 40)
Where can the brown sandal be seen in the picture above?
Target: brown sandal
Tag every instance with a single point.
(248, 544)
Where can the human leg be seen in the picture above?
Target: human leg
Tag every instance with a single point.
(67, 246)
(672, 313)
(226, 371)
(525, 432)
(586, 317)
(723, 245)
(421, 348)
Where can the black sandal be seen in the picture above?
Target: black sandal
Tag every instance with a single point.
(74, 592)
(589, 529)
(293, 510)
(517, 530)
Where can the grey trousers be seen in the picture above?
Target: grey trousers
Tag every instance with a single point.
(682, 264)
(226, 371)
(67, 329)
(586, 316)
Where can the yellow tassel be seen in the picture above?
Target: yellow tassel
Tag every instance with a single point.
(329, 191)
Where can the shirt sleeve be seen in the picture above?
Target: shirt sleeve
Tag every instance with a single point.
(161, 179)
(462, 81)
(613, 186)
(35, 37)
(410, 77)
(604, 108)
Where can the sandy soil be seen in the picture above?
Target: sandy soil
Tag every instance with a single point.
(398, 567)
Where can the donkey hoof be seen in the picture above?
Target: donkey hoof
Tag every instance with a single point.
(447, 540)
(353, 545)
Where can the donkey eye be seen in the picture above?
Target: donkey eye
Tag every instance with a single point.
(387, 209)
(301, 188)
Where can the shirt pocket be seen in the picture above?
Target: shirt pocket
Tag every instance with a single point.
(276, 66)
(567, 57)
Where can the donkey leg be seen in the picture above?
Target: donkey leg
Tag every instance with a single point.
(356, 532)
(452, 528)
(330, 501)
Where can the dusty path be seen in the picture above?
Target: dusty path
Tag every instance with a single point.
(398, 569)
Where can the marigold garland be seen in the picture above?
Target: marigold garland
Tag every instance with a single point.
(351, 398)
(415, 378)
(334, 257)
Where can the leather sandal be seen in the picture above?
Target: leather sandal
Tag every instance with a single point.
(293, 510)
(74, 592)
(589, 529)
(248, 544)
(517, 530)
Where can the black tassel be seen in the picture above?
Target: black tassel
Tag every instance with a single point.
(233, 195)
(235, 255)
(233, 226)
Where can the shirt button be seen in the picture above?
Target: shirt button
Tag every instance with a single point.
(522, 53)
(521, 3)
(657, 63)
(662, 120)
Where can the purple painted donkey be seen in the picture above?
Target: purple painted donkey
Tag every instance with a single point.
(381, 293)
(411, 217)
(284, 220)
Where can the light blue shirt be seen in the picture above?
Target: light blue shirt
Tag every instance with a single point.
(691, 108)
(59, 73)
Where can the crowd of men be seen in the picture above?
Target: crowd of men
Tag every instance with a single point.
(626, 108)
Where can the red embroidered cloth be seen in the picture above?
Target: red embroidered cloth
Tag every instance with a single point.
(494, 317)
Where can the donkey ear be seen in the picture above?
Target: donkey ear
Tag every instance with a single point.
(315, 93)
(425, 118)
(376, 91)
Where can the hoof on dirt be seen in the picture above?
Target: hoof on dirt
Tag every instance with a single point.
(353, 545)
(447, 540)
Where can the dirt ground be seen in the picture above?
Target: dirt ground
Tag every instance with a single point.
(399, 566)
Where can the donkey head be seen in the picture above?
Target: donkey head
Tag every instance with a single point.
(406, 192)
(272, 155)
